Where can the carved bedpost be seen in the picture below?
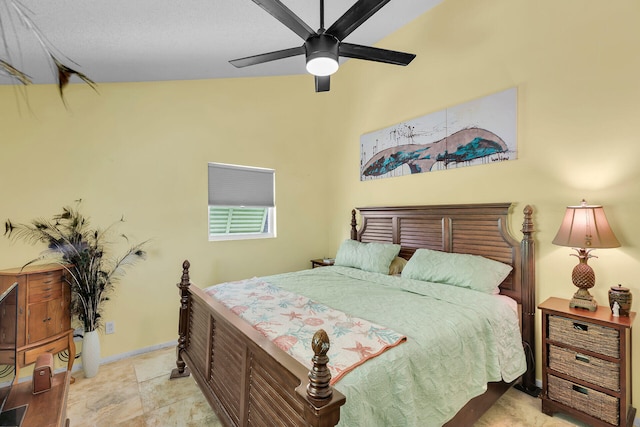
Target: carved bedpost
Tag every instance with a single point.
(181, 370)
(322, 408)
(319, 389)
(354, 230)
(529, 301)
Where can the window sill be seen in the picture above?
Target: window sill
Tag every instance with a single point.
(227, 237)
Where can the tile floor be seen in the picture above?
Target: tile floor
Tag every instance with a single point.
(137, 392)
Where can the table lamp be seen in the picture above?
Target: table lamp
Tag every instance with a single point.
(585, 228)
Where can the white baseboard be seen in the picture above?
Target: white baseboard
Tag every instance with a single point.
(78, 364)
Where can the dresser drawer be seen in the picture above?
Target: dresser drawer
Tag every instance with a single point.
(587, 336)
(54, 347)
(596, 371)
(594, 403)
(44, 291)
(45, 286)
(48, 277)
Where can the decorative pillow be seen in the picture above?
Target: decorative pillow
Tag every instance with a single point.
(374, 257)
(464, 270)
(397, 265)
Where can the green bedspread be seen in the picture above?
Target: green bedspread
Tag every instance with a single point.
(457, 341)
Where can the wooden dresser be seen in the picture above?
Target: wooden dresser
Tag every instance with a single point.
(586, 364)
(44, 318)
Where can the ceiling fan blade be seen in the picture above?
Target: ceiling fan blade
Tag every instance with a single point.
(283, 14)
(323, 83)
(354, 17)
(374, 54)
(266, 57)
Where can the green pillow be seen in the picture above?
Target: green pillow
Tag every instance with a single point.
(374, 257)
(464, 270)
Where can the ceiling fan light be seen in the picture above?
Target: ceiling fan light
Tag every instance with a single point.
(322, 55)
(322, 65)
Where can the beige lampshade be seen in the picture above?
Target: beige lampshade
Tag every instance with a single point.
(585, 226)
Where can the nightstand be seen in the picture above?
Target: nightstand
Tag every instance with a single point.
(322, 262)
(586, 364)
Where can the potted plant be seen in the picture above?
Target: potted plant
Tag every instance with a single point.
(92, 271)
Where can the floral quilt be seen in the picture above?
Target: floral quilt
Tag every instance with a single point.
(290, 320)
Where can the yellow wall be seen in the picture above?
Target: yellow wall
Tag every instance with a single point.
(576, 67)
(141, 150)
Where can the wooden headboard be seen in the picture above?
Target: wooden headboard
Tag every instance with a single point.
(478, 229)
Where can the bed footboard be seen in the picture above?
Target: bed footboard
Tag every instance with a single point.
(246, 378)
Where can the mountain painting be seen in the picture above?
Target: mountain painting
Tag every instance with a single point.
(482, 131)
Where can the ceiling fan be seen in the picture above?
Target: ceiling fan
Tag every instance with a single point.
(322, 48)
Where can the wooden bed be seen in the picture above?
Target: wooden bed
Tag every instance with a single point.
(249, 381)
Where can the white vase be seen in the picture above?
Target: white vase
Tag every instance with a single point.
(90, 353)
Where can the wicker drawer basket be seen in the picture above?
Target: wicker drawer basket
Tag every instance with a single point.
(585, 335)
(584, 399)
(597, 371)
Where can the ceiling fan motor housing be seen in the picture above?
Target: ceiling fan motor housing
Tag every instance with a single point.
(322, 48)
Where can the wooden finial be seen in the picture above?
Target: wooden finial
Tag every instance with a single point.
(320, 343)
(527, 225)
(184, 280)
(319, 387)
(354, 230)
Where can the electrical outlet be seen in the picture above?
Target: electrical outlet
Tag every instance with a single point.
(109, 327)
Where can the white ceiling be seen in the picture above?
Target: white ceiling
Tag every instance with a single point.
(150, 40)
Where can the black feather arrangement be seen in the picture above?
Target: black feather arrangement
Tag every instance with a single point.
(85, 253)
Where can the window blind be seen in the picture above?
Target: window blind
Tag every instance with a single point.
(224, 221)
(231, 185)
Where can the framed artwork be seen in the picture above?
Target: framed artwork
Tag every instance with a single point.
(478, 132)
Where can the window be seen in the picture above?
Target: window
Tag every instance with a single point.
(241, 202)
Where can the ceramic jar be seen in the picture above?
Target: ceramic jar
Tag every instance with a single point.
(623, 297)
